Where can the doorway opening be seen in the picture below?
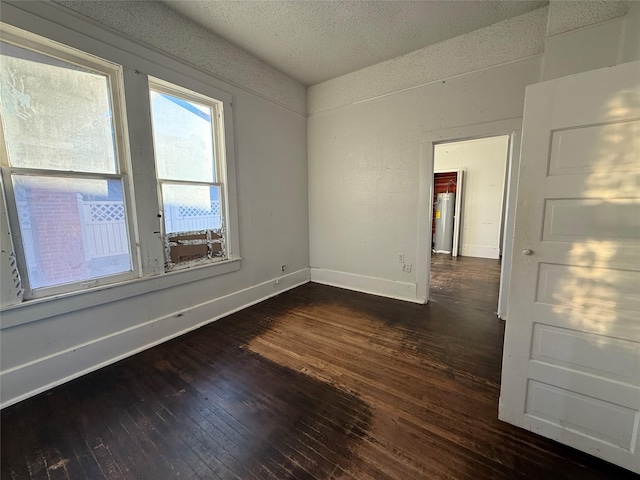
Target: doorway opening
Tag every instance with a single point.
(510, 128)
(447, 203)
(468, 220)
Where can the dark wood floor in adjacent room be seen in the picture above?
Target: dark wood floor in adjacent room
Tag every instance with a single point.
(317, 383)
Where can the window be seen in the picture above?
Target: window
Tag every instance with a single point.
(82, 206)
(188, 139)
(63, 168)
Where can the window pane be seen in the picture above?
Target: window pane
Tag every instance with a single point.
(72, 229)
(183, 138)
(56, 115)
(189, 208)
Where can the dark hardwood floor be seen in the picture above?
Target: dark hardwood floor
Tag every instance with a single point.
(317, 383)
(465, 280)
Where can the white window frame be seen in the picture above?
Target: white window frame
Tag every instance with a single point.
(219, 167)
(138, 64)
(113, 73)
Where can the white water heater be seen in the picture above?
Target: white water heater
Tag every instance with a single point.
(444, 212)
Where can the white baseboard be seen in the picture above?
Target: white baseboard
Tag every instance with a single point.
(360, 283)
(480, 251)
(29, 379)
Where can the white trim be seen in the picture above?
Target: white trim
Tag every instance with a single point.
(586, 27)
(134, 58)
(361, 283)
(114, 81)
(509, 126)
(95, 39)
(49, 16)
(41, 308)
(313, 113)
(425, 220)
(27, 380)
(219, 167)
(472, 132)
(513, 168)
(480, 251)
(10, 280)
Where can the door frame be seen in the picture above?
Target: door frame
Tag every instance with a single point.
(511, 127)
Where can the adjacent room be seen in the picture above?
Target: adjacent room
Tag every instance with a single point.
(469, 187)
(320, 239)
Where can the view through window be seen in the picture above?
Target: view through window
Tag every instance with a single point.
(61, 165)
(186, 131)
(79, 214)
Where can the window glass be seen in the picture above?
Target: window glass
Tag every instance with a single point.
(56, 115)
(183, 138)
(62, 165)
(66, 177)
(72, 229)
(184, 129)
(191, 207)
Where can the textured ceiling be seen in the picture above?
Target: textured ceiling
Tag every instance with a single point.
(313, 41)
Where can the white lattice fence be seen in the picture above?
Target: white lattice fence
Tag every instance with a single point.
(104, 228)
(189, 218)
(28, 240)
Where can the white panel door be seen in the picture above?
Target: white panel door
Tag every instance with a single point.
(571, 365)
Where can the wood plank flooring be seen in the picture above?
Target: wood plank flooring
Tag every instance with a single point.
(465, 280)
(317, 383)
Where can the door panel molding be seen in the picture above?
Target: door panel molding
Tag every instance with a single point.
(571, 363)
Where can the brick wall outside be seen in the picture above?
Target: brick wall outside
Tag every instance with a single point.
(57, 232)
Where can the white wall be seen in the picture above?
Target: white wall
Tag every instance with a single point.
(484, 162)
(506, 41)
(364, 134)
(630, 39)
(365, 129)
(363, 185)
(46, 342)
(364, 181)
(583, 49)
(587, 35)
(159, 27)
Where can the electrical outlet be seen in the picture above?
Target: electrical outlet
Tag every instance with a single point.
(407, 267)
(401, 258)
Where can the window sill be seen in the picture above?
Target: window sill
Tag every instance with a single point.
(40, 308)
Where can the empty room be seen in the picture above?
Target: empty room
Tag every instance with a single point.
(320, 239)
